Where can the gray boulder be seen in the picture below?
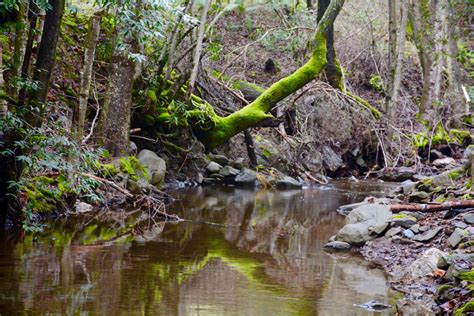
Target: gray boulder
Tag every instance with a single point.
(337, 246)
(220, 159)
(213, 167)
(155, 166)
(331, 160)
(288, 182)
(364, 223)
(403, 220)
(246, 177)
(406, 307)
(424, 265)
(229, 172)
(398, 174)
(354, 234)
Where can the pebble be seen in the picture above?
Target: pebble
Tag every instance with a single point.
(407, 233)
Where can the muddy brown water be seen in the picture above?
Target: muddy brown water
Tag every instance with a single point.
(243, 252)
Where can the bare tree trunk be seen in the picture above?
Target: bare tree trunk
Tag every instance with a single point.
(28, 51)
(116, 113)
(20, 46)
(392, 52)
(333, 71)
(45, 60)
(197, 52)
(3, 103)
(428, 25)
(399, 56)
(250, 148)
(454, 92)
(80, 109)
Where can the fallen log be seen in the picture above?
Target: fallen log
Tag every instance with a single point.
(397, 208)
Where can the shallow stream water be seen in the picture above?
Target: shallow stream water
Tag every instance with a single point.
(242, 252)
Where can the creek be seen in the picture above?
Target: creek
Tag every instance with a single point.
(238, 252)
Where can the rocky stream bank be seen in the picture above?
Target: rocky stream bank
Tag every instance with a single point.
(422, 235)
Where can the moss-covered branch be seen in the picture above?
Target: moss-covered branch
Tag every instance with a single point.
(257, 111)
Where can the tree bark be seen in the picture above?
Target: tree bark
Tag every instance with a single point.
(398, 57)
(28, 51)
(116, 112)
(226, 127)
(198, 50)
(333, 70)
(80, 109)
(3, 103)
(20, 46)
(45, 61)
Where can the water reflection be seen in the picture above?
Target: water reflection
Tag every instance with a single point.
(245, 253)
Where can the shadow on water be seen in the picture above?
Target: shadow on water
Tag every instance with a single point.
(245, 252)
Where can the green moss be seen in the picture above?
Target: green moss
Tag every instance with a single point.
(459, 136)
(108, 170)
(467, 276)
(403, 216)
(455, 174)
(132, 167)
(46, 194)
(467, 308)
(453, 136)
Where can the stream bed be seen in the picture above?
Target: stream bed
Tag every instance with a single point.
(242, 252)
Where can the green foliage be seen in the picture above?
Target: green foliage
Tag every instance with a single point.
(376, 83)
(55, 168)
(440, 136)
(467, 308)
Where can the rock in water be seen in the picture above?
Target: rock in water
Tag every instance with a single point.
(398, 174)
(229, 172)
(155, 166)
(246, 177)
(338, 246)
(288, 182)
(364, 223)
(424, 265)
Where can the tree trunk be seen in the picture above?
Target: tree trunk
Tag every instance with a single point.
(80, 109)
(392, 52)
(250, 148)
(197, 52)
(116, 112)
(454, 92)
(398, 61)
(28, 51)
(20, 46)
(333, 70)
(226, 127)
(3, 102)
(45, 61)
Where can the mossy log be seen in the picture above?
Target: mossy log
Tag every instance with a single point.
(251, 115)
